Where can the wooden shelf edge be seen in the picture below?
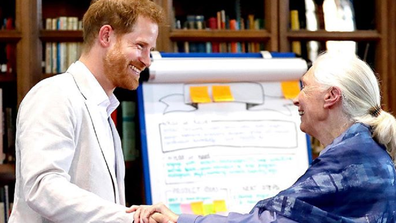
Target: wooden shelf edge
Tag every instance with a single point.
(322, 35)
(61, 35)
(7, 174)
(10, 36)
(219, 35)
(6, 77)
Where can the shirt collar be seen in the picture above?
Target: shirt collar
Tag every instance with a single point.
(98, 94)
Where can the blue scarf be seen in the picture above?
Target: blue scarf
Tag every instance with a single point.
(352, 181)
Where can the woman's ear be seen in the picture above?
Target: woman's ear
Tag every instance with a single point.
(104, 35)
(332, 97)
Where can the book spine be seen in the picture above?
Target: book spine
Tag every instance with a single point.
(2, 128)
(128, 130)
(295, 25)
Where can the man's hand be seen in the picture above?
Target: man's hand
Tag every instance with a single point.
(153, 213)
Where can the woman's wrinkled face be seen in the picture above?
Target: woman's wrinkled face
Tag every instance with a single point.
(310, 103)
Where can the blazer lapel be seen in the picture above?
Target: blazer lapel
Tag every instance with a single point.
(119, 163)
(99, 129)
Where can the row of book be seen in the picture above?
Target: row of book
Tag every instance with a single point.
(63, 23)
(218, 47)
(8, 23)
(7, 132)
(220, 22)
(7, 51)
(7, 58)
(330, 15)
(5, 203)
(59, 55)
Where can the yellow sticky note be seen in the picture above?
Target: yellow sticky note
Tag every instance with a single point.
(222, 93)
(208, 209)
(290, 89)
(200, 94)
(197, 208)
(219, 206)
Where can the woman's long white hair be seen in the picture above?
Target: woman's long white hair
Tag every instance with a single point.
(361, 94)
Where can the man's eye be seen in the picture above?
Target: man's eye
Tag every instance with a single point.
(140, 46)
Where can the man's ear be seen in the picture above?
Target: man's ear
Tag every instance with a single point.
(332, 97)
(104, 35)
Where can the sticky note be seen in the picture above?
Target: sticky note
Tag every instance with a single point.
(176, 208)
(197, 207)
(208, 209)
(222, 93)
(290, 89)
(200, 94)
(186, 209)
(220, 206)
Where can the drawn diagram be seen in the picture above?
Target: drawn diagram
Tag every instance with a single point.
(221, 156)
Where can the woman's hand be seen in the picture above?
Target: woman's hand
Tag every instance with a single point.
(157, 213)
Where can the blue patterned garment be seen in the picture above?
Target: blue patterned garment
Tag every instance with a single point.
(353, 180)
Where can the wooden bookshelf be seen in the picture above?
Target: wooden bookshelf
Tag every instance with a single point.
(8, 78)
(379, 36)
(269, 35)
(322, 35)
(12, 36)
(7, 174)
(61, 36)
(30, 36)
(220, 35)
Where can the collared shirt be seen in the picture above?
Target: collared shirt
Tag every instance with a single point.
(107, 105)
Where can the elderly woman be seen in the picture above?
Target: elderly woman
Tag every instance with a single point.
(353, 179)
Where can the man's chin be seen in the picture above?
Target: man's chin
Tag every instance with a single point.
(130, 85)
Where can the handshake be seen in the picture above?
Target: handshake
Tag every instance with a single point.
(157, 213)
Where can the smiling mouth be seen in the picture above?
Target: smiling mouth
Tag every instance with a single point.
(300, 112)
(135, 70)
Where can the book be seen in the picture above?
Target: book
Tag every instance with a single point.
(10, 49)
(6, 203)
(233, 44)
(295, 25)
(10, 129)
(2, 127)
(339, 16)
(2, 205)
(213, 25)
(128, 111)
(62, 46)
(312, 24)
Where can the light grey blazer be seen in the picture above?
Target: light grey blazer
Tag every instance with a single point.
(62, 168)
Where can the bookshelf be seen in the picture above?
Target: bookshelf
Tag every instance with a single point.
(267, 10)
(374, 24)
(29, 37)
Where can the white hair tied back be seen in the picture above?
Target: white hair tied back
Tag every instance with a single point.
(361, 99)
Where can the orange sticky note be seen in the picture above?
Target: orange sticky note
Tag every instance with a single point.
(197, 208)
(290, 89)
(222, 93)
(200, 94)
(219, 206)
